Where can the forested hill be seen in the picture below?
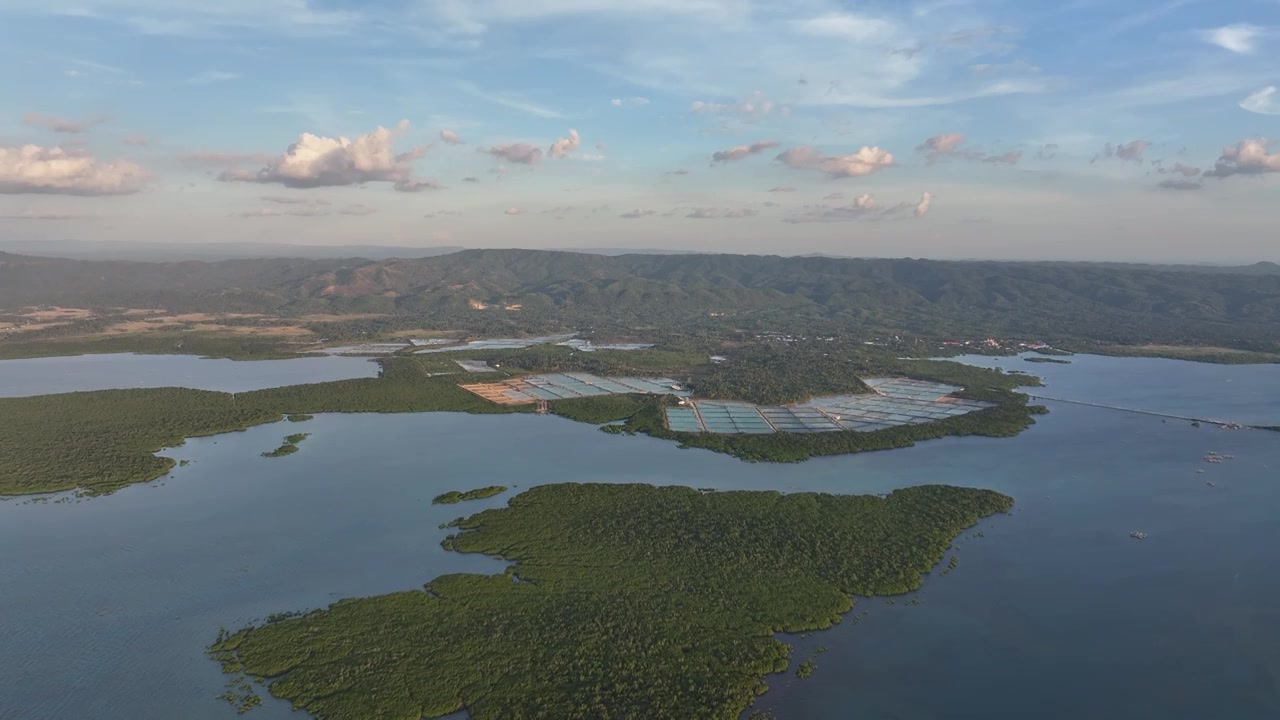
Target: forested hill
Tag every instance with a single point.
(938, 297)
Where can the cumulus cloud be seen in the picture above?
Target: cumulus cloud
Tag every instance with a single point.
(1010, 158)
(451, 137)
(513, 211)
(1247, 157)
(1179, 185)
(926, 202)
(315, 161)
(742, 151)
(636, 214)
(863, 162)
(1263, 102)
(58, 171)
(782, 188)
(62, 125)
(519, 153)
(864, 207)
(565, 145)
(1241, 39)
(940, 145)
(629, 102)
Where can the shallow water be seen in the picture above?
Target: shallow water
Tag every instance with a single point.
(42, 376)
(106, 604)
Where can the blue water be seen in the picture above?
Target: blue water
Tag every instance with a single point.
(106, 604)
(42, 376)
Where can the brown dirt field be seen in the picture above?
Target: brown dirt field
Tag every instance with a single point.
(207, 317)
(37, 326)
(252, 330)
(56, 313)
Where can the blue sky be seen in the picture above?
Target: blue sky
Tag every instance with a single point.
(1084, 129)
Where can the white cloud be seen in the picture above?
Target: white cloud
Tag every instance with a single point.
(513, 211)
(1241, 39)
(57, 171)
(845, 26)
(742, 151)
(451, 137)
(864, 207)
(629, 102)
(520, 153)
(863, 162)
(1247, 157)
(926, 202)
(565, 145)
(315, 161)
(1263, 102)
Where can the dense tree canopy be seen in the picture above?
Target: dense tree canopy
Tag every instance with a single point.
(624, 601)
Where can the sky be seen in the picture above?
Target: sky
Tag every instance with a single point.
(1019, 129)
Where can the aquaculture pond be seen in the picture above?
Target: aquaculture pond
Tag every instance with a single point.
(41, 376)
(1053, 611)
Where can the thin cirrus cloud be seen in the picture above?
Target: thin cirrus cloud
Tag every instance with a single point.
(861, 163)
(451, 137)
(1182, 185)
(59, 171)
(629, 102)
(1178, 169)
(314, 161)
(136, 140)
(740, 152)
(1263, 102)
(637, 214)
(224, 159)
(1013, 157)
(62, 125)
(1247, 157)
(782, 189)
(864, 207)
(297, 207)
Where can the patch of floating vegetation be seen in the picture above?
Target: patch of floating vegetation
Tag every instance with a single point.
(299, 418)
(454, 496)
(634, 601)
(1049, 360)
(806, 669)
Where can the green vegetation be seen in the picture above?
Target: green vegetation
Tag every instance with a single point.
(779, 374)
(623, 601)
(1246, 354)
(599, 410)
(288, 447)
(806, 669)
(1043, 360)
(299, 418)
(1068, 305)
(453, 496)
(158, 343)
(101, 441)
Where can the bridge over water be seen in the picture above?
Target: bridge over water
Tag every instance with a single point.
(1151, 413)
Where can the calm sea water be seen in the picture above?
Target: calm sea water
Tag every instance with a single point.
(42, 376)
(106, 604)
